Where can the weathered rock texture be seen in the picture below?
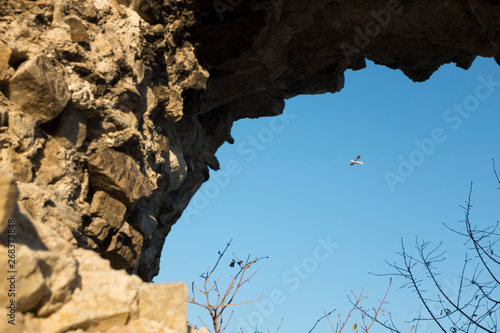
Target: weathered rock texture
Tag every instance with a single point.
(111, 113)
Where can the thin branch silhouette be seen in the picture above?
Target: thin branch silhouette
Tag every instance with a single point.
(217, 301)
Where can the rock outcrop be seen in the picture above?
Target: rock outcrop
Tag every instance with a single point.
(111, 112)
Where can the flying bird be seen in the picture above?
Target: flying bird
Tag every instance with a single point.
(357, 161)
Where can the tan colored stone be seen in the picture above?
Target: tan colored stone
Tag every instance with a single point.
(18, 318)
(107, 70)
(44, 206)
(20, 166)
(117, 174)
(77, 31)
(110, 209)
(125, 248)
(104, 298)
(102, 45)
(8, 198)
(30, 285)
(5, 53)
(165, 303)
(96, 272)
(39, 87)
(31, 230)
(115, 120)
(264, 52)
(163, 142)
(72, 128)
(174, 107)
(4, 117)
(98, 229)
(171, 100)
(61, 277)
(50, 169)
(176, 169)
(24, 127)
(151, 100)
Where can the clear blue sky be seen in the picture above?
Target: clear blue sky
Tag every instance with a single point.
(285, 186)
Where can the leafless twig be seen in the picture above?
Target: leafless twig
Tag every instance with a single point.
(217, 301)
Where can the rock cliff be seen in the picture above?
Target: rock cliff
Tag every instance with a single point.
(111, 112)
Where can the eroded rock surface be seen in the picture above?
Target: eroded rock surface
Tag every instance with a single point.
(118, 174)
(111, 113)
(39, 87)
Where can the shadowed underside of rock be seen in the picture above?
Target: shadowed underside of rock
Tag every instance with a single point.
(111, 113)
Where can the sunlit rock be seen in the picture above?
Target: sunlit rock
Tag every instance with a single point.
(39, 86)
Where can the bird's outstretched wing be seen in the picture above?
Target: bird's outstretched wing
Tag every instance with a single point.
(355, 161)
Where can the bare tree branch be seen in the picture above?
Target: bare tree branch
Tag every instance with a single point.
(215, 301)
(474, 305)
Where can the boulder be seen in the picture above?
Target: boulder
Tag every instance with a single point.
(117, 174)
(105, 298)
(164, 303)
(39, 87)
(108, 208)
(98, 229)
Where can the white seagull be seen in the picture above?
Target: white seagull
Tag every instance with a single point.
(356, 161)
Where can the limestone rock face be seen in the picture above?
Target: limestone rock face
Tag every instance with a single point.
(277, 49)
(60, 288)
(111, 112)
(93, 95)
